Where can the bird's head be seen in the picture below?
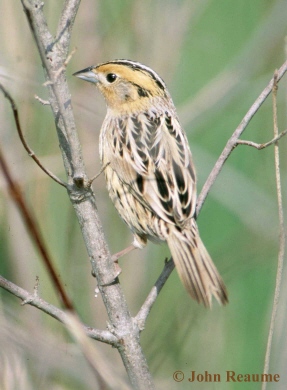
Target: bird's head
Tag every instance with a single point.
(126, 85)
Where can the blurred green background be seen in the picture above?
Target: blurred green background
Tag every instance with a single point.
(216, 56)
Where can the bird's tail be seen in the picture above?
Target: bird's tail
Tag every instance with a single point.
(195, 267)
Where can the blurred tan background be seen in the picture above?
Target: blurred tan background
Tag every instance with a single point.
(216, 56)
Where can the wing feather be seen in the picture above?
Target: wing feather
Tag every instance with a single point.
(152, 159)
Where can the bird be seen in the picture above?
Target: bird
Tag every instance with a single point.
(149, 171)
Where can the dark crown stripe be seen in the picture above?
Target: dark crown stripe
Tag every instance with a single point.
(137, 66)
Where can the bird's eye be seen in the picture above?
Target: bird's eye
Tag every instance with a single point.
(111, 77)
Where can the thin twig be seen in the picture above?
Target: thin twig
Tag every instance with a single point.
(42, 101)
(262, 146)
(53, 311)
(65, 63)
(89, 183)
(281, 237)
(35, 293)
(34, 231)
(142, 315)
(231, 143)
(26, 146)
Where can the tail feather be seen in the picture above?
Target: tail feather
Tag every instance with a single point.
(195, 267)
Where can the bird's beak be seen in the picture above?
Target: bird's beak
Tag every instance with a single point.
(88, 75)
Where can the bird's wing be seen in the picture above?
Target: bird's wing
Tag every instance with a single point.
(151, 157)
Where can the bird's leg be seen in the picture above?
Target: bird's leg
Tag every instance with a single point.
(138, 243)
(119, 254)
(123, 252)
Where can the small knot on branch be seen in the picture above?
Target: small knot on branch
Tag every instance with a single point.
(79, 181)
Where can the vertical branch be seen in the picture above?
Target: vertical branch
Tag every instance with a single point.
(281, 236)
(53, 56)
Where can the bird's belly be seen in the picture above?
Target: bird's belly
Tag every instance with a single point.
(140, 219)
